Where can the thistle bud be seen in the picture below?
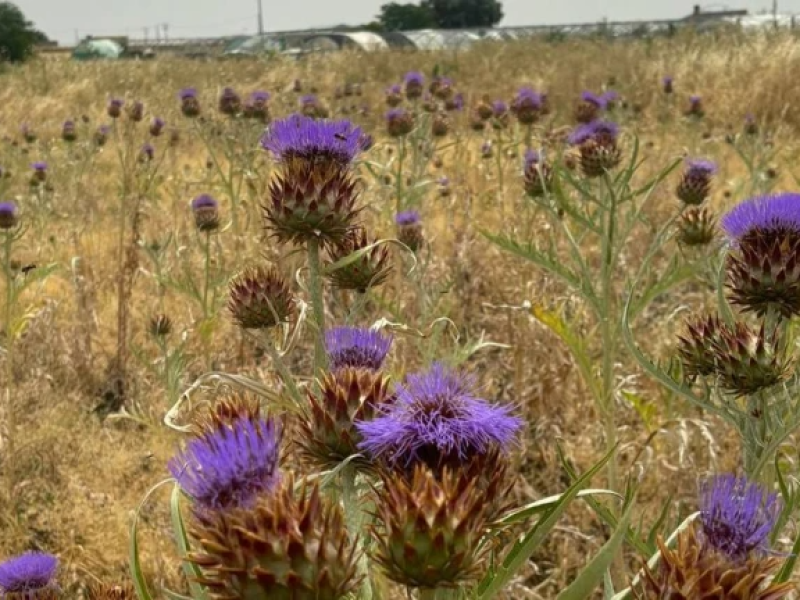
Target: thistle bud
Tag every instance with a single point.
(160, 326)
(101, 135)
(257, 107)
(28, 134)
(394, 95)
(39, 173)
(429, 103)
(696, 347)
(538, 175)
(136, 112)
(695, 108)
(286, 546)
(399, 122)
(696, 227)
(667, 85)
(750, 125)
(8, 215)
(414, 85)
(589, 107)
(527, 106)
(328, 435)
(455, 103)
(310, 106)
(369, 270)
(747, 360)
(68, 131)
(157, 126)
(428, 530)
(114, 108)
(190, 104)
(597, 143)
(484, 110)
(146, 154)
(260, 299)
(206, 213)
(695, 184)
(230, 103)
(409, 229)
(440, 125)
(487, 150)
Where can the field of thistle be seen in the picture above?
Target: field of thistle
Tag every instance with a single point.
(513, 322)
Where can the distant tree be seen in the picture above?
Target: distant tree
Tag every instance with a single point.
(17, 35)
(458, 14)
(406, 17)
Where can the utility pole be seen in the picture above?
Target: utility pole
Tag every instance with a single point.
(146, 34)
(260, 19)
(775, 13)
(158, 33)
(166, 31)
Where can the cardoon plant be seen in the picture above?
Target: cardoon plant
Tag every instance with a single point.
(190, 103)
(313, 197)
(409, 229)
(695, 184)
(598, 147)
(414, 84)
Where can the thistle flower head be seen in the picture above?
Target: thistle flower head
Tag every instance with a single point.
(160, 325)
(409, 229)
(593, 131)
(157, 126)
(28, 576)
(136, 111)
(146, 153)
(747, 360)
(407, 217)
(68, 131)
(695, 108)
(206, 212)
(414, 77)
(767, 214)
(414, 84)
(437, 420)
(260, 299)
(357, 348)
(229, 103)
(187, 93)
(528, 105)
(538, 174)
(312, 140)
(599, 151)
(667, 84)
(114, 108)
(39, 167)
(737, 515)
(225, 413)
(592, 98)
(230, 467)
(696, 227)
(190, 103)
(499, 108)
(399, 122)
(8, 215)
(259, 97)
(292, 545)
(695, 184)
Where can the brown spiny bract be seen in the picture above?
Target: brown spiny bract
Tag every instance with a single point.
(586, 111)
(599, 155)
(288, 547)
(102, 591)
(260, 298)
(747, 360)
(538, 179)
(696, 346)
(311, 201)
(764, 272)
(694, 187)
(327, 435)
(370, 269)
(428, 530)
(694, 571)
(440, 125)
(223, 413)
(696, 227)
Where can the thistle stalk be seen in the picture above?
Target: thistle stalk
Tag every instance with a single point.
(7, 322)
(317, 304)
(354, 518)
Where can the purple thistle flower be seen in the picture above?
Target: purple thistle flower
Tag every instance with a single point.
(259, 97)
(528, 97)
(230, 466)
(437, 420)
(27, 574)
(8, 215)
(407, 218)
(698, 167)
(609, 98)
(303, 137)
(394, 90)
(499, 108)
(204, 201)
(593, 98)
(737, 515)
(457, 103)
(589, 131)
(358, 348)
(116, 103)
(309, 100)
(414, 78)
(39, 167)
(148, 152)
(695, 99)
(187, 93)
(778, 211)
(532, 157)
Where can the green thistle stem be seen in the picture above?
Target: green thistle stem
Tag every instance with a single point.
(283, 370)
(399, 183)
(354, 518)
(7, 322)
(206, 273)
(318, 305)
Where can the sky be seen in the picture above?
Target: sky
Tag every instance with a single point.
(61, 19)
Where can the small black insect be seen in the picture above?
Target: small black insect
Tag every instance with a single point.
(340, 136)
(27, 269)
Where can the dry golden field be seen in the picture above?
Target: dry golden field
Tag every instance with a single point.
(78, 457)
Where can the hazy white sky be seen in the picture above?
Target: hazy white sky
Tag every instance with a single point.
(189, 18)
